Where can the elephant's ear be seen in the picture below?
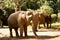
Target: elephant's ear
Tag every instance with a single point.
(29, 13)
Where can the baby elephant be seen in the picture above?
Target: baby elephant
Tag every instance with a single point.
(20, 19)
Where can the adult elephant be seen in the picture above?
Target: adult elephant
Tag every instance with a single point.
(40, 18)
(12, 23)
(35, 21)
(1, 16)
(21, 19)
(45, 19)
(48, 20)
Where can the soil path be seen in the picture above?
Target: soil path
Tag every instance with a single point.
(44, 34)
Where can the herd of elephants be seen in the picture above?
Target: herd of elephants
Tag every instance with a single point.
(21, 19)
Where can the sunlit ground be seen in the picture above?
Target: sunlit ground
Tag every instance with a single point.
(4, 32)
(44, 34)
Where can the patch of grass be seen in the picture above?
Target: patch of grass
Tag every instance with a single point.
(53, 25)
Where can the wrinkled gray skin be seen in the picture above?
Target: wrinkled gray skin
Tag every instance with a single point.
(21, 19)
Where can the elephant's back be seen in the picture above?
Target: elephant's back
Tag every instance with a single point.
(12, 19)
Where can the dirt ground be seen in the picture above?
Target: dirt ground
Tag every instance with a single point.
(44, 34)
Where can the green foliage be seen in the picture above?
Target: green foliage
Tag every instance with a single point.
(32, 4)
(45, 9)
(53, 4)
(6, 3)
(30, 10)
(56, 25)
(58, 3)
(54, 17)
(8, 11)
(9, 3)
(53, 25)
(44, 6)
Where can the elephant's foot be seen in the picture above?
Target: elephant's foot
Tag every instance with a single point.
(11, 36)
(25, 36)
(47, 27)
(21, 36)
(50, 27)
(2, 26)
(36, 30)
(17, 36)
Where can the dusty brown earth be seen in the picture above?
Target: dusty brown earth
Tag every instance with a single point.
(44, 34)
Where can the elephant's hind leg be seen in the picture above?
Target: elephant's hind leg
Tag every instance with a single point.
(10, 32)
(16, 31)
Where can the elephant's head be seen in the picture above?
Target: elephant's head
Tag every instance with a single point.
(29, 15)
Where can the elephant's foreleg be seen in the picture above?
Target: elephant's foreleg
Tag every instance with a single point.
(16, 31)
(21, 31)
(35, 27)
(44, 25)
(34, 30)
(25, 30)
(47, 25)
(2, 25)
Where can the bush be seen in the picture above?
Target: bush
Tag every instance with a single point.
(45, 9)
(54, 17)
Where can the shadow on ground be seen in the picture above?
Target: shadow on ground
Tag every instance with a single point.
(28, 38)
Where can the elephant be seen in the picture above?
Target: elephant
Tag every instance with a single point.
(44, 19)
(35, 21)
(41, 18)
(48, 20)
(38, 18)
(21, 19)
(1, 16)
(12, 23)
